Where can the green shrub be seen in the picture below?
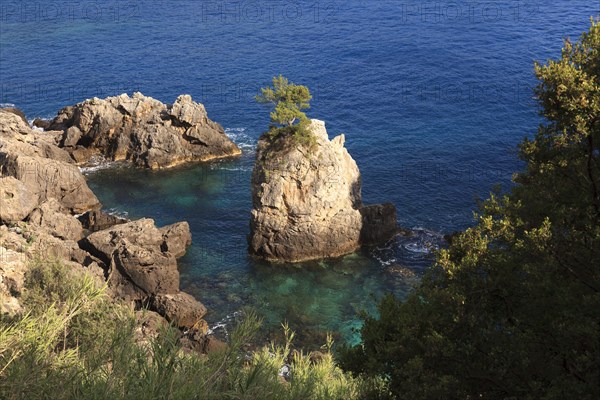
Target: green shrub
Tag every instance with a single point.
(74, 342)
(511, 309)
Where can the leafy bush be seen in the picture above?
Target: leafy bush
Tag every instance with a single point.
(511, 310)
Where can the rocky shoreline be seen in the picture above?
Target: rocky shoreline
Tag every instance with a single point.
(48, 212)
(305, 206)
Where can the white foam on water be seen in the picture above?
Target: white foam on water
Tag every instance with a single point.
(241, 138)
(7, 105)
(117, 213)
(35, 128)
(223, 324)
(96, 164)
(417, 248)
(237, 169)
(408, 249)
(93, 168)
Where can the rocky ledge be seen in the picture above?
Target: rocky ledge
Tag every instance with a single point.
(48, 212)
(140, 129)
(307, 203)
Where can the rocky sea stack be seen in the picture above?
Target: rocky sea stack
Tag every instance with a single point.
(140, 129)
(307, 201)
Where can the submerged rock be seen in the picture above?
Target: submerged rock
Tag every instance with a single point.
(143, 130)
(307, 203)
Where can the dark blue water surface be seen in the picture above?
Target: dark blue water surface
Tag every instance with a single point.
(433, 98)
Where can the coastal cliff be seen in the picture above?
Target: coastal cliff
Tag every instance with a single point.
(142, 130)
(307, 201)
(48, 212)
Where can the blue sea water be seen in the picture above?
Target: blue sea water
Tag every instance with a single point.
(433, 98)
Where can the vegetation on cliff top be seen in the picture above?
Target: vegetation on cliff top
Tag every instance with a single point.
(512, 309)
(288, 100)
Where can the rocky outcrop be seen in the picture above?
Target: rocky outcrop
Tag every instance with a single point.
(45, 170)
(143, 130)
(12, 278)
(181, 309)
(15, 200)
(176, 238)
(378, 223)
(141, 259)
(307, 202)
(18, 113)
(98, 220)
(46, 209)
(55, 219)
(138, 267)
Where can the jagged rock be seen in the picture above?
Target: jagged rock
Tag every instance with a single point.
(199, 342)
(181, 308)
(56, 220)
(211, 344)
(70, 137)
(44, 168)
(12, 278)
(17, 137)
(81, 155)
(139, 272)
(177, 238)
(149, 325)
(17, 112)
(142, 233)
(141, 264)
(144, 130)
(41, 123)
(12, 124)
(11, 240)
(46, 179)
(16, 200)
(41, 185)
(99, 220)
(44, 246)
(49, 150)
(307, 202)
(186, 111)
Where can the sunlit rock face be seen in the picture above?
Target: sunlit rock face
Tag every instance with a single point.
(143, 130)
(307, 202)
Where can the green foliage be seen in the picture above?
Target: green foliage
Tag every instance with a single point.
(511, 310)
(288, 100)
(74, 342)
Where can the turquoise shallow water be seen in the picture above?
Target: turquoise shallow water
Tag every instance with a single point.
(314, 297)
(432, 96)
